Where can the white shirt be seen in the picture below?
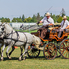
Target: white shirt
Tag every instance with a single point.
(45, 22)
(66, 23)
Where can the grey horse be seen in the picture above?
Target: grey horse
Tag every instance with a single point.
(11, 37)
(4, 46)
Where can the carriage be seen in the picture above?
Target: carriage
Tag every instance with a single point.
(52, 46)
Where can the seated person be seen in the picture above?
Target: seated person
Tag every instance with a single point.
(64, 25)
(47, 21)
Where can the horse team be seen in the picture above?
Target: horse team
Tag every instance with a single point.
(9, 37)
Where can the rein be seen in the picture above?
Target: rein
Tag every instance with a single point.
(17, 37)
(33, 27)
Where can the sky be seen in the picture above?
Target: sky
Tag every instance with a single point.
(16, 8)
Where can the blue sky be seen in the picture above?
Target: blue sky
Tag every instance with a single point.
(16, 8)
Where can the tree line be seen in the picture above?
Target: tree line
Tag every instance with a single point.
(35, 18)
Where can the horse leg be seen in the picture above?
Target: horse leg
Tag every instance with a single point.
(26, 47)
(25, 56)
(12, 50)
(2, 51)
(21, 48)
(25, 53)
(9, 46)
(0, 47)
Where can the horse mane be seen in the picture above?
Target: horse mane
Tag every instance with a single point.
(9, 25)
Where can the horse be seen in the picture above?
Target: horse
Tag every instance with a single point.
(14, 38)
(4, 46)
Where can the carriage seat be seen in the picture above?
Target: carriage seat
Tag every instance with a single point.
(48, 30)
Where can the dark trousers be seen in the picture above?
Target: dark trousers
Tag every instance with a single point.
(60, 32)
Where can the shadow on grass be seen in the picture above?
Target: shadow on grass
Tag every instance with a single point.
(12, 58)
(38, 58)
(17, 58)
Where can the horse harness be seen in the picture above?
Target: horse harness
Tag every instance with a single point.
(17, 37)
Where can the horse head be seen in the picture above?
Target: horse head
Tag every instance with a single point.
(1, 29)
(5, 28)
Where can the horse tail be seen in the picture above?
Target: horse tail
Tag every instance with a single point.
(37, 42)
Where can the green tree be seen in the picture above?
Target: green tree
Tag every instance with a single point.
(5, 20)
(23, 17)
(38, 17)
(25, 20)
(57, 16)
(34, 19)
(62, 13)
(16, 20)
(67, 18)
(19, 19)
(54, 17)
(29, 19)
(59, 19)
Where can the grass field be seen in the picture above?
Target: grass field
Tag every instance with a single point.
(35, 63)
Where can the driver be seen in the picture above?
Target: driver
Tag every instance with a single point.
(47, 21)
(64, 25)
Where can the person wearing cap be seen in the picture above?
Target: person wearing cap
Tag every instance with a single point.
(64, 25)
(47, 21)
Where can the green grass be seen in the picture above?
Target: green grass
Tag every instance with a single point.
(27, 31)
(35, 63)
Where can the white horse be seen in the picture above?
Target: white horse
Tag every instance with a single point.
(4, 46)
(11, 37)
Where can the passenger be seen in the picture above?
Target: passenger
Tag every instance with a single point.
(64, 25)
(47, 21)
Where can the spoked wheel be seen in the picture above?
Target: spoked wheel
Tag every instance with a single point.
(50, 51)
(33, 52)
(64, 48)
(58, 52)
(57, 45)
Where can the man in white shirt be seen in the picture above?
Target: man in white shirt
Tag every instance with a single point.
(47, 21)
(64, 25)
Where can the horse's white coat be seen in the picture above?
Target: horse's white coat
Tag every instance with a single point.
(24, 39)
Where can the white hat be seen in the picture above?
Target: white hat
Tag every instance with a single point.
(48, 14)
(64, 17)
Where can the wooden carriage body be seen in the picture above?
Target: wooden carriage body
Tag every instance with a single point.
(51, 50)
(53, 35)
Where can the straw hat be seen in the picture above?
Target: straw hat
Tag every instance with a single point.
(48, 14)
(64, 17)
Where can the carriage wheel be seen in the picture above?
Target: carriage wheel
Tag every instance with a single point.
(64, 48)
(57, 45)
(58, 53)
(50, 51)
(33, 52)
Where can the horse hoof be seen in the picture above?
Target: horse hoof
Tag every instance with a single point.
(20, 59)
(24, 59)
(10, 58)
(2, 59)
